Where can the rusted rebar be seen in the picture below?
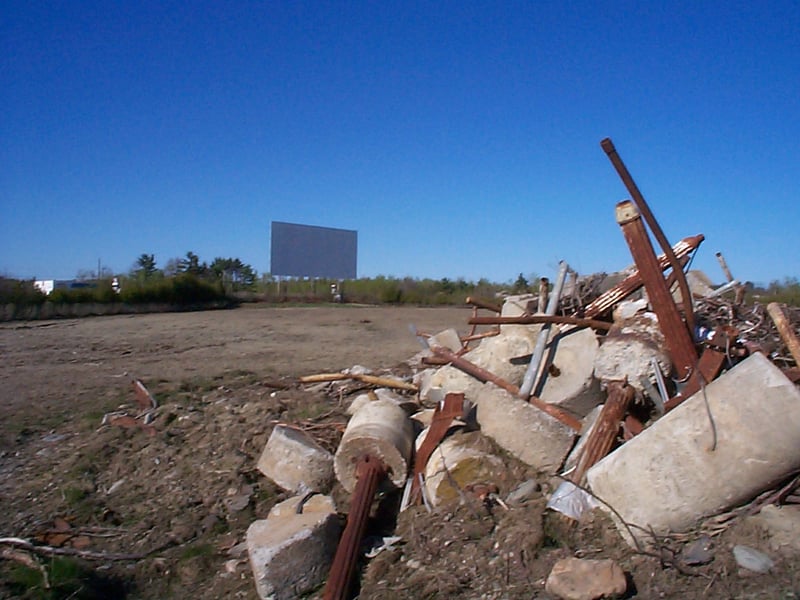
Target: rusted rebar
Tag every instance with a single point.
(369, 471)
(482, 374)
(535, 319)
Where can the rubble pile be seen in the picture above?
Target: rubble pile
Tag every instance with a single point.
(666, 403)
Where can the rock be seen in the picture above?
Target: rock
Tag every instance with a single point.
(582, 579)
(697, 552)
(783, 525)
(752, 559)
(524, 491)
(523, 430)
(668, 477)
(516, 306)
(293, 460)
(448, 339)
(290, 554)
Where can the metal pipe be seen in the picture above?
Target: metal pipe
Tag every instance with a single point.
(724, 265)
(644, 209)
(531, 375)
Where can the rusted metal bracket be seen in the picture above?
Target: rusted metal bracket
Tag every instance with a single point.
(677, 337)
(452, 407)
(644, 209)
(369, 471)
(606, 301)
(482, 374)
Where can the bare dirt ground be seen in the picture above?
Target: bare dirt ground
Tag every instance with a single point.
(176, 504)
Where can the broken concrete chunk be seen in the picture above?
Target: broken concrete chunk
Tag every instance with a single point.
(446, 339)
(583, 579)
(516, 306)
(629, 349)
(381, 429)
(291, 553)
(686, 467)
(569, 380)
(293, 460)
(531, 435)
(493, 354)
(456, 464)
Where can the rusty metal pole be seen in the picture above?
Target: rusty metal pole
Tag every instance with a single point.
(644, 209)
(679, 342)
(370, 471)
(482, 374)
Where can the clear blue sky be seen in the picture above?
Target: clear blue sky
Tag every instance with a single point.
(460, 139)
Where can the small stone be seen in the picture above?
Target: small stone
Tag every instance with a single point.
(524, 491)
(752, 560)
(698, 552)
(582, 579)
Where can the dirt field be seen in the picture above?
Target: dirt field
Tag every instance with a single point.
(178, 502)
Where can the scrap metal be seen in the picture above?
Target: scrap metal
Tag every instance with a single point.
(452, 407)
(644, 209)
(678, 341)
(633, 282)
(369, 472)
(535, 319)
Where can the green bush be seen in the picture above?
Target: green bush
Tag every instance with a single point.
(23, 293)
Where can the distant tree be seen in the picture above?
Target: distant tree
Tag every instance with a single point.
(191, 265)
(521, 285)
(233, 273)
(145, 266)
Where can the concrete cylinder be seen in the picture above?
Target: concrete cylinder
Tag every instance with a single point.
(382, 429)
(457, 463)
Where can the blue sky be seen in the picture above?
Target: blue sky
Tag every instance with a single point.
(460, 139)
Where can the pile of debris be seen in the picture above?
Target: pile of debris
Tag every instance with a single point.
(659, 400)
